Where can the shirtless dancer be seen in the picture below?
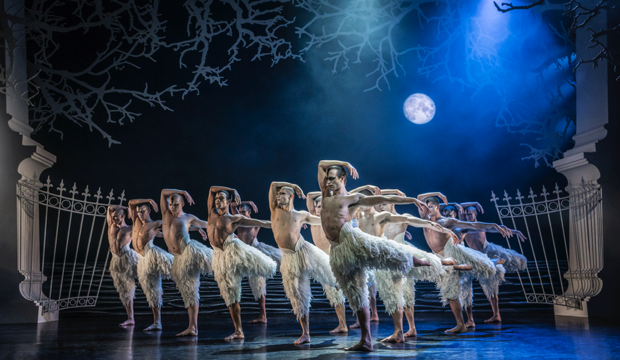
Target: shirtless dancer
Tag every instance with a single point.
(512, 260)
(353, 251)
(232, 258)
(442, 245)
(397, 231)
(301, 260)
(390, 283)
(191, 258)
(334, 295)
(248, 236)
(124, 259)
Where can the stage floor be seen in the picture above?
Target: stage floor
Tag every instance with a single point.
(521, 335)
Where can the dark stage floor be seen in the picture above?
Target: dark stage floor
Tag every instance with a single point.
(522, 335)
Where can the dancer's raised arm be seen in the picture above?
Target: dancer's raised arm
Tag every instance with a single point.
(310, 201)
(372, 188)
(324, 165)
(474, 204)
(166, 193)
(111, 210)
(276, 186)
(234, 206)
(213, 192)
(133, 204)
(393, 192)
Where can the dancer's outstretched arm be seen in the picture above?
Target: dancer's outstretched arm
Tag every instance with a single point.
(417, 222)
(480, 226)
(311, 219)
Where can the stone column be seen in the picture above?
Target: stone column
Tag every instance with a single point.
(30, 169)
(592, 114)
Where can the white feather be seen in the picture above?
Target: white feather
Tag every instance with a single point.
(195, 259)
(156, 264)
(124, 273)
(514, 261)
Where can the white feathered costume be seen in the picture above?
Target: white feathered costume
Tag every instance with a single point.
(397, 290)
(453, 286)
(155, 265)
(258, 284)
(124, 273)
(235, 261)
(298, 267)
(195, 259)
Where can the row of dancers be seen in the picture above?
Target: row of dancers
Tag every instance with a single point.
(351, 261)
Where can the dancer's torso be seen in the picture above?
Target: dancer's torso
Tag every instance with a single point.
(286, 227)
(335, 212)
(247, 234)
(118, 237)
(475, 240)
(219, 228)
(142, 233)
(174, 230)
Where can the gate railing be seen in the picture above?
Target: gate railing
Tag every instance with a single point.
(565, 236)
(62, 237)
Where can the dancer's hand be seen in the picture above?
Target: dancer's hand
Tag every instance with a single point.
(422, 206)
(454, 237)
(154, 205)
(237, 197)
(520, 235)
(305, 226)
(202, 233)
(254, 206)
(408, 235)
(460, 208)
(190, 201)
(503, 230)
(299, 192)
(443, 197)
(400, 193)
(353, 171)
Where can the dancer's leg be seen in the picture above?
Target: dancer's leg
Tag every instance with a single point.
(235, 314)
(397, 337)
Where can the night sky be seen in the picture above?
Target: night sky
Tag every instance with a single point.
(275, 123)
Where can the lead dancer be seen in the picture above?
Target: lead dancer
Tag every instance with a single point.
(232, 258)
(334, 295)
(124, 259)
(481, 266)
(191, 258)
(353, 251)
(301, 260)
(248, 234)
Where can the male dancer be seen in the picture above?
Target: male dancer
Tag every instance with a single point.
(153, 262)
(444, 246)
(513, 261)
(333, 294)
(353, 251)
(124, 259)
(232, 258)
(191, 258)
(247, 234)
(300, 259)
(390, 283)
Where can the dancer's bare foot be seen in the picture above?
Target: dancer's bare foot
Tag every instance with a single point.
(189, 332)
(355, 326)
(411, 333)
(493, 319)
(457, 330)
(235, 335)
(374, 318)
(497, 260)
(361, 346)
(448, 261)
(127, 322)
(397, 337)
(259, 320)
(420, 262)
(340, 330)
(304, 339)
(464, 267)
(154, 326)
(470, 324)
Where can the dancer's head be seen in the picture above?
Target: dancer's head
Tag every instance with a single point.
(433, 205)
(471, 214)
(222, 199)
(385, 207)
(449, 211)
(144, 211)
(245, 210)
(285, 196)
(317, 205)
(118, 217)
(336, 177)
(176, 203)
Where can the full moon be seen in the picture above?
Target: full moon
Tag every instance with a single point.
(419, 109)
